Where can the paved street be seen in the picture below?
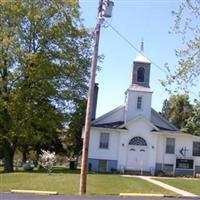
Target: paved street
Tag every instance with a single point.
(9, 196)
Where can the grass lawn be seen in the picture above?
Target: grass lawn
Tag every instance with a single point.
(189, 185)
(68, 183)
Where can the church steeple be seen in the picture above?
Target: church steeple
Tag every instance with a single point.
(141, 69)
(138, 101)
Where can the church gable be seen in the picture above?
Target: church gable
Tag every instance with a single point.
(140, 123)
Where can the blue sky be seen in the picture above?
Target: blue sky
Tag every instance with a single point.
(134, 19)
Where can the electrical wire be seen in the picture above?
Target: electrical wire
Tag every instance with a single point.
(136, 49)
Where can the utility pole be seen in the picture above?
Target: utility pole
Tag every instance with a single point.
(84, 162)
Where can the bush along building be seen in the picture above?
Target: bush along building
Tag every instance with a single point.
(134, 138)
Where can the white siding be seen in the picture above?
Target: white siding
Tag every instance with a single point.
(131, 109)
(181, 141)
(97, 153)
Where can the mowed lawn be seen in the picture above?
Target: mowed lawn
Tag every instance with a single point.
(187, 184)
(68, 183)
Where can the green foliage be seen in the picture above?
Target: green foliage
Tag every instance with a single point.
(44, 60)
(186, 25)
(193, 122)
(72, 136)
(178, 110)
(165, 108)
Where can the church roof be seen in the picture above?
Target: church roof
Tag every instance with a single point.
(106, 121)
(110, 125)
(141, 58)
(161, 122)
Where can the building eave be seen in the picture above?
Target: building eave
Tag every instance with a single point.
(116, 130)
(177, 133)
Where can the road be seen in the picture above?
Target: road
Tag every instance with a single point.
(9, 196)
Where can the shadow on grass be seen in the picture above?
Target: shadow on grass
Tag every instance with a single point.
(55, 170)
(59, 169)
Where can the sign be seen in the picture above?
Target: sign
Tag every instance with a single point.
(183, 151)
(184, 163)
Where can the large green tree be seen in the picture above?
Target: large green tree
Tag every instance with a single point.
(178, 110)
(45, 55)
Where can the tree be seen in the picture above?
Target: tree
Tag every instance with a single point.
(186, 25)
(178, 110)
(165, 108)
(45, 55)
(73, 141)
(193, 122)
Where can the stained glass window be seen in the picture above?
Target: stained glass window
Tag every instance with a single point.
(138, 141)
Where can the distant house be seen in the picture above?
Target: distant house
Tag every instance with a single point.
(134, 137)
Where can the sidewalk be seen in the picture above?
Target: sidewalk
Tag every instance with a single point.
(168, 187)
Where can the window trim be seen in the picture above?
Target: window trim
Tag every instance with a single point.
(102, 144)
(167, 151)
(193, 152)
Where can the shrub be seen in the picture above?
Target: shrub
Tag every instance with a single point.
(159, 173)
(47, 160)
(28, 166)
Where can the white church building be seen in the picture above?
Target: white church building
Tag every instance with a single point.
(135, 138)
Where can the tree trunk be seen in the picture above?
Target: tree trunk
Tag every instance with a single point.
(24, 155)
(8, 156)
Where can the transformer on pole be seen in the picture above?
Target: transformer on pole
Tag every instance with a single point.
(107, 8)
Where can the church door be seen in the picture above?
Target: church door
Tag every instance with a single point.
(137, 154)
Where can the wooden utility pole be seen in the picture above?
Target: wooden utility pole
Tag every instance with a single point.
(84, 162)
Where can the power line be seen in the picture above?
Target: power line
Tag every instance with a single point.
(136, 49)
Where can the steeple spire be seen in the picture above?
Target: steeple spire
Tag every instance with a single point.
(141, 57)
(142, 46)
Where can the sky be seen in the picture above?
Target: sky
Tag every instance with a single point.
(150, 20)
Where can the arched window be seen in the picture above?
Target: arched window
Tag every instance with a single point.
(140, 74)
(138, 141)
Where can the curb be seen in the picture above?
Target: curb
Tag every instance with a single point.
(140, 195)
(188, 197)
(35, 192)
(156, 195)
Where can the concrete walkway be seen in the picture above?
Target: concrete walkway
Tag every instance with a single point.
(168, 187)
